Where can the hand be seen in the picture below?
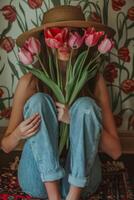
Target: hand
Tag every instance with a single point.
(28, 127)
(63, 113)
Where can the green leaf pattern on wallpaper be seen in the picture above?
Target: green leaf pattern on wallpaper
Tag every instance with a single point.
(118, 70)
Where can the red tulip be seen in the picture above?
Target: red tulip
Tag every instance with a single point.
(7, 44)
(55, 37)
(75, 40)
(92, 37)
(25, 56)
(35, 3)
(118, 4)
(110, 72)
(130, 13)
(9, 13)
(1, 92)
(33, 45)
(127, 86)
(123, 54)
(105, 45)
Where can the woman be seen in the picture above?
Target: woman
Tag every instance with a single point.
(35, 117)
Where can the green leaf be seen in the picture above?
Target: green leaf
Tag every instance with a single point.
(128, 97)
(131, 25)
(51, 84)
(64, 130)
(78, 86)
(2, 105)
(69, 88)
(51, 65)
(132, 74)
(12, 82)
(22, 68)
(78, 63)
(6, 30)
(21, 27)
(2, 69)
(13, 68)
(34, 23)
(22, 10)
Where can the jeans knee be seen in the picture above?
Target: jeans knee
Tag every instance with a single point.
(83, 104)
(40, 103)
(37, 98)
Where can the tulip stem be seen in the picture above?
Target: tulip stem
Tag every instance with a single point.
(69, 68)
(42, 66)
(57, 69)
(94, 59)
(79, 76)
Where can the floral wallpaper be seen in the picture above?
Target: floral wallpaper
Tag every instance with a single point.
(118, 70)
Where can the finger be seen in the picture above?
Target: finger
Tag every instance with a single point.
(36, 126)
(34, 122)
(30, 119)
(60, 109)
(60, 105)
(33, 133)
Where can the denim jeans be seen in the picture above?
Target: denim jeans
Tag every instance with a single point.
(40, 160)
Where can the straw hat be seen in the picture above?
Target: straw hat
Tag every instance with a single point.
(63, 16)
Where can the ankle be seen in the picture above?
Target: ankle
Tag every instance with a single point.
(54, 197)
(74, 193)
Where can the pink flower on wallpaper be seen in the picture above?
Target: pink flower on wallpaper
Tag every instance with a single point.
(9, 13)
(127, 86)
(130, 13)
(123, 54)
(118, 120)
(5, 113)
(7, 44)
(35, 3)
(1, 92)
(95, 17)
(110, 72)
(118, 4)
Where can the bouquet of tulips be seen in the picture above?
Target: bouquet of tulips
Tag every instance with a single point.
(77, 73)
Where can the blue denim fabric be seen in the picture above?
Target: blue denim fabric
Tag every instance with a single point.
(40, 161)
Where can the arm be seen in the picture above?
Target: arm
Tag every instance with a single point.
(19, 128)
(110, 143)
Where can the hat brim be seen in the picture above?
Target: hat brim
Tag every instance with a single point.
(79, 24)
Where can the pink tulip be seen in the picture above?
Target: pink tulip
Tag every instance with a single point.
(105, 45)
(75, 40)
(33, 45)
(25, 56)
(55, 37)
(92, 37)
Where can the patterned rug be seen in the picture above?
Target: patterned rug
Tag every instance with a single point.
(115, 184)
